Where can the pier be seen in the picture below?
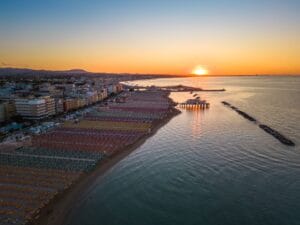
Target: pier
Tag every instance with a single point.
(175, 88)
(183, 88)
(195, 104)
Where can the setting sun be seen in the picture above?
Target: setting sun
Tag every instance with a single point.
(200, 71)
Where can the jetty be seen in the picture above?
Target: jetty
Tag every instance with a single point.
(174, 88)
(280, 137)
(183, 88)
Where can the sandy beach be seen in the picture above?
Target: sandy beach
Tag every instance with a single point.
(61, 206)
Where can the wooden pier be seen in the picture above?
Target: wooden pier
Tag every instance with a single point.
(204, 105)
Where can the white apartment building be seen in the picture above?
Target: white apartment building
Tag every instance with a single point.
(31, 108)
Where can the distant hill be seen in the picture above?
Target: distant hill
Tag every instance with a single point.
(24, 71)
(76, 71)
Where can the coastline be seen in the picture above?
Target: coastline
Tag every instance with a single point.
(59, 209)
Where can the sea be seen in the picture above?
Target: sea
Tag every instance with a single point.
(208, 167)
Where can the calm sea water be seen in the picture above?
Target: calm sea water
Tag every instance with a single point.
(209, 167)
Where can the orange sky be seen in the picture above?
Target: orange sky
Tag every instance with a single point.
(256, 37)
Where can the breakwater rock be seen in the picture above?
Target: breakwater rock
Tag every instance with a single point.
(277, 135)
(243, 114)
(284, 140)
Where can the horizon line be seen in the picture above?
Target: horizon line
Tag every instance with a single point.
(137, 73)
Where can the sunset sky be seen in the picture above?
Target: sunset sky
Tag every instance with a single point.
(226, 37)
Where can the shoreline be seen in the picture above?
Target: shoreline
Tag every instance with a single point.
(59, 209)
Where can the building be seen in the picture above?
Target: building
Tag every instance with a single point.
(111, 89)
(119, 88)
(31, 108)
(70, 104)
(92, 97)
(47, 89)
(2, 112)
(10, 109)
(59, 105)
(103, 94)
(50, 105)
(7, 110)
(69, 88)
(81, 102)
(114, 88)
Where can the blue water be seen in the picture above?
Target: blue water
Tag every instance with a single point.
(209, 167)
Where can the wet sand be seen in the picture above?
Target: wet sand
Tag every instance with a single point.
(60, 208)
